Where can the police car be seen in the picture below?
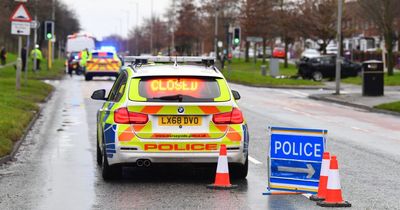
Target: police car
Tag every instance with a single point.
(170, 113)
(102, 63)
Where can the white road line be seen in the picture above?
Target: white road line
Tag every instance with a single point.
(290, 109)
(307, 195)
(360, 129)
(254, 161)
(301, 93)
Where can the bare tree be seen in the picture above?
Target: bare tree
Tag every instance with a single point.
(383, 13)
(286, 15)
(187, 33)
(319, 21)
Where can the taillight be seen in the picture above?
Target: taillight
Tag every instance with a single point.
(123, 116)
(233, 117)
(138, 118)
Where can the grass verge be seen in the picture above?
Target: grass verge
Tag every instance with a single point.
(250, 74)
(388, 80)
(394, 106)
(19, 107)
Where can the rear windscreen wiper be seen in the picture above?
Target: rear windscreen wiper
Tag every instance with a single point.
(170, 97)
(173, 97)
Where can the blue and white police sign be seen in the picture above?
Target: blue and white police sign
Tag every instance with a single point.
(295, 157)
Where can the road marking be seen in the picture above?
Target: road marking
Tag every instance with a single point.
(307, 195)
(290, 109)
(360, 129)
(301, 93)
(254, 161)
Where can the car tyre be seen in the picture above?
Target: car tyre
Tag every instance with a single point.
(240, 171)
(109, 172)
(302, 72)
(317, 76)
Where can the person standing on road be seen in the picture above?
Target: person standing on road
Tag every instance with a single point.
(84, 56)
(3, 55)
(23, 58)
(39, 57)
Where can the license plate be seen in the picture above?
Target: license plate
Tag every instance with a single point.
(179, 120)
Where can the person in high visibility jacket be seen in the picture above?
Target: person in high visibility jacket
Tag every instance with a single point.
(84, 55)
(39, 56)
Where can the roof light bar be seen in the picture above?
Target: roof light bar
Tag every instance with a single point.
(168, 59)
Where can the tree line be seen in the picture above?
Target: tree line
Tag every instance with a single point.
(66, 21)
(188, 27)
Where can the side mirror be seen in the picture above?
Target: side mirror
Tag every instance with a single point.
(99, 95)
(236, 95)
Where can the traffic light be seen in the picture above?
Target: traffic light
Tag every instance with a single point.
(236, 36)
(48, 30)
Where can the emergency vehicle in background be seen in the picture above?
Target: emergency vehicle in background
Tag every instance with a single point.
(75, 44)
(102, 63)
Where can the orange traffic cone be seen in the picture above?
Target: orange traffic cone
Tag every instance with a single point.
(334, 192)
(323, 178)
(222, 180)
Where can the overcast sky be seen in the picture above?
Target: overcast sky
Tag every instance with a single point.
(105, 17)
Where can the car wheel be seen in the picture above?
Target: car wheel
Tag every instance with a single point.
(302, 72)
(109, 172)
(88, 78)
(317, 76)
(240, 171)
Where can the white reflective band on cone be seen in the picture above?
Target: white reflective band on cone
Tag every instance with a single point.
(222, 165)
(333, 180)
(325, 167)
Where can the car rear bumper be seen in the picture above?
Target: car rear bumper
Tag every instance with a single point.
(102, 73)
(130, 157)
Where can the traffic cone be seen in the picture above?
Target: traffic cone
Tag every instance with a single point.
(323, 178)
(334, 192)
(222, 180)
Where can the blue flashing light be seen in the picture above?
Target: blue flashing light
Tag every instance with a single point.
(108, 48)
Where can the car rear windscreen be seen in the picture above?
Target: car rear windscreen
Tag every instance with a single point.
(102, 55)
(179, 89)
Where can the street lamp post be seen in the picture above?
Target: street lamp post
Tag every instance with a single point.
(151, 29)
(137, 25)
(339, 51)
(127, 29)
(216, 33)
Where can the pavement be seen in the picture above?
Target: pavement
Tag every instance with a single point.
(351, 95)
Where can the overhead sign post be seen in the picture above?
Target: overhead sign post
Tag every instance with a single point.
(295, 158)
(21, 26)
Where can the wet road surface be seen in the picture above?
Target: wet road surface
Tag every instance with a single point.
(56, 169)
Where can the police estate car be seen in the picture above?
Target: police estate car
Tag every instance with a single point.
(170, 113)
(102, 63)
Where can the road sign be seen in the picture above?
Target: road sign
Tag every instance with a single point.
(295, 158)
(21, 28)
(254, 39)
(21, 14)
(35, 24)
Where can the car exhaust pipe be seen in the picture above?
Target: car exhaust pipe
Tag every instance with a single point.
(147, 163)
(139, 163)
